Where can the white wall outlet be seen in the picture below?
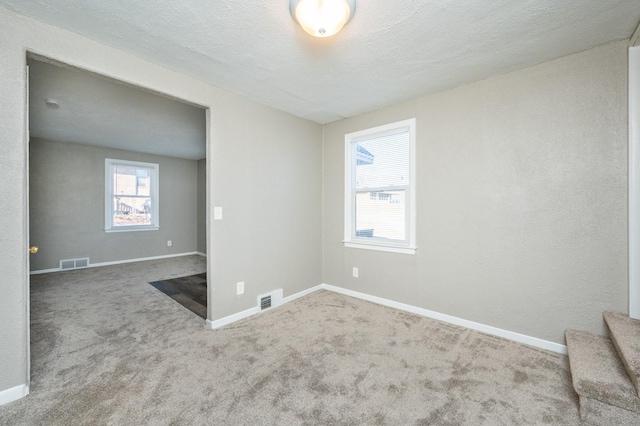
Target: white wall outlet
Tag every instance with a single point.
(169, 243)
(217, 213)
(355, 272)
(240, 288)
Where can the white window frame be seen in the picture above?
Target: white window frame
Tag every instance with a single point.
(350, 239)
(109, 164)
(634, 175)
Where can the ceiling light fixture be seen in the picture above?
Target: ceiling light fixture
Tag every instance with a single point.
(322, 18)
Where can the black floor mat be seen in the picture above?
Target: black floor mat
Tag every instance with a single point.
(190, 292)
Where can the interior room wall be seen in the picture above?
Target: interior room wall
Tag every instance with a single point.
(263, 168)
(521, 199)
(521, 193)
(270, 189)
(201, 228)
(67, 206)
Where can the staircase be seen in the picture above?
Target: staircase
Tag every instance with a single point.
(606, 371)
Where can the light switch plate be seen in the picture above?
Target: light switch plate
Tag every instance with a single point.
(217, 213)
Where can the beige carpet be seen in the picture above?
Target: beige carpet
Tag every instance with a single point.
(108, 348)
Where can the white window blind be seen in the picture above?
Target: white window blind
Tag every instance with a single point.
(131, 195)
(379, 187)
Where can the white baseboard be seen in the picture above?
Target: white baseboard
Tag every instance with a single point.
(249, 312)
(494, 331)
(231, 318)
(301, 294)
(44, 271)
(13, 394)
(119, 262)
(199, 253)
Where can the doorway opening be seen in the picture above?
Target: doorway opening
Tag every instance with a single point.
(78, 120)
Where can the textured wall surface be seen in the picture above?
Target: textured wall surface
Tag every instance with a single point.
(521, 193)
(521, 199)
(264, 168)
(66, 210)
(13, 193)
(202, 207)
(390, 52)
(270, 187)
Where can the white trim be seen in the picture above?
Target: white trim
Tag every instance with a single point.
(404, 247)
(232, 318)
(117, 262)
(45, 271)
(109, 164)
(13, 394)
(27, 232)
(634, 182)
(302, 293)
(199, 253)
(494, 331)
(250, 312)
(131, 229)
(380, 247)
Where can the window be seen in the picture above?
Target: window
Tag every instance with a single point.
(380, 188)
(131, 196)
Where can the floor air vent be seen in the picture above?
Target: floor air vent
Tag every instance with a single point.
(74, 263)
(270, 300)
(265, 302)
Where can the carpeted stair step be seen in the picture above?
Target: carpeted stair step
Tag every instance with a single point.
(600, 379)
(625, 335)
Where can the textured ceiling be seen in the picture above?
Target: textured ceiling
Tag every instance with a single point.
(391, 51)
(97, 111)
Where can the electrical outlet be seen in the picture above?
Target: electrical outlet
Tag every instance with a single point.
(169, 243)
(355, 272)
(240, 288)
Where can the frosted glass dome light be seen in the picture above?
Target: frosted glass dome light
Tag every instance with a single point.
(322, 18)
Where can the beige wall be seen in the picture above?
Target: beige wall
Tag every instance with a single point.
(521, 199)
(201, 228)
(257, 158)
(67, 206)
(521, 193)
(270, 188)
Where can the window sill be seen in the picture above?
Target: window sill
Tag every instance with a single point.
(132, 229)
(379, 247)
